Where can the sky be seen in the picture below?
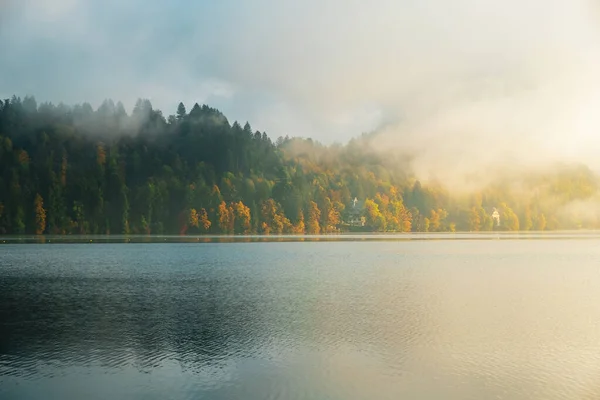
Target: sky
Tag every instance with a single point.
(507, 79)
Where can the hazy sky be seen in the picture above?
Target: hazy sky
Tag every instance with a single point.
(503, 75)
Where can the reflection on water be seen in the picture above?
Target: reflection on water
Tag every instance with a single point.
(447, 319)
(344, 237)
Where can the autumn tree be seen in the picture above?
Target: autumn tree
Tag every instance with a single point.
(330, 216)
(540, 222)
(300, 228)
(148, 173)
(474, 219)
(436, 220)
(314, 214)
(274, 221)
(399, 218)
(226, 218)
(40, 215)
(508, 219)
(242, 217)
(406, 218)
(203, 221)
(374, 218)
(487, 222)
(193, 219)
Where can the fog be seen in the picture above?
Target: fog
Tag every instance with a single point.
(465, 87)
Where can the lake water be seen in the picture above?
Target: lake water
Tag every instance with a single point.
(403, 319)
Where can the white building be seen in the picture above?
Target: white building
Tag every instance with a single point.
(496, 216)
(355, 213)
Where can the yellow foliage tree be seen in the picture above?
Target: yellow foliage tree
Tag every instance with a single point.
(193, 218)
(508, 218)
(487, 222)
(331, 217)
(474, 219)
(398, 217)
(203, 220)
(437, 219)
(274, 221)
(268, 210)
(40, 215)
(394, 193)
(540, 222)
(299, 228)
(374, 218)
(265, 228)
(231, 227)
(242, 217)
(406, 221)
(314, 214)
(226, 218)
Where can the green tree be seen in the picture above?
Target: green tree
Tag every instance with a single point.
(104, 171)
(18, 222)
(180, 112)
(79, 222)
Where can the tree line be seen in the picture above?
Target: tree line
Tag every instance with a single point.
(76, 170)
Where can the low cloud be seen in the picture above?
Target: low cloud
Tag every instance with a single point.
(468, 85)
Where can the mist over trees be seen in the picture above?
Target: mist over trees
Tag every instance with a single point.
(76, 170)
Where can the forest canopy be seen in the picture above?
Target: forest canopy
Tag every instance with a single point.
(78, 170)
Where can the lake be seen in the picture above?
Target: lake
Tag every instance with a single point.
(500, 318)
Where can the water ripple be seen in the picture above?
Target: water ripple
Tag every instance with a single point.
(337, 320)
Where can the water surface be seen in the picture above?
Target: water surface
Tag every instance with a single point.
(418, 319)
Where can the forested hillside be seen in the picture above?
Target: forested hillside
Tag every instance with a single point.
(78, 170)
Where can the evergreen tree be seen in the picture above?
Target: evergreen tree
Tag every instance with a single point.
(180, 112)
(79, 170)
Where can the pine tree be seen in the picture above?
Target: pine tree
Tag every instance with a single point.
(180, 112)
